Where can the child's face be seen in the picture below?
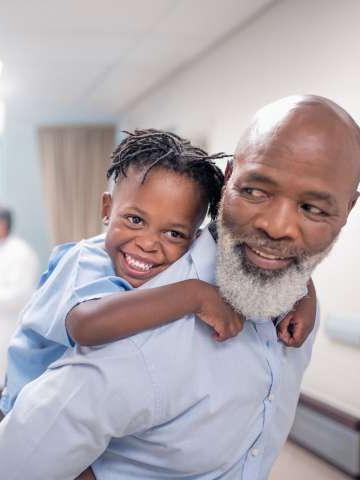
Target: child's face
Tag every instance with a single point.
(151, 224)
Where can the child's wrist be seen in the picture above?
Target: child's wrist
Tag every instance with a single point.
(199, 293)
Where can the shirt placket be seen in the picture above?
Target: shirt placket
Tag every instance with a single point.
(266, 333)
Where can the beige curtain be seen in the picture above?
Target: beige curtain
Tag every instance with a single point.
(74, 163)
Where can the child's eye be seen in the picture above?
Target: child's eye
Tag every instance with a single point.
(174, 234)
(134, 219)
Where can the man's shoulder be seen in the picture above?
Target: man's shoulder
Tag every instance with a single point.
(158, 342)
(152, 350)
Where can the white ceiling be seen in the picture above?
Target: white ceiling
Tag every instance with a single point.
(69, 59)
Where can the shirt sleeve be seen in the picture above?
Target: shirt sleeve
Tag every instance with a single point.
(84, 273)
(63, 421)
(55, 257)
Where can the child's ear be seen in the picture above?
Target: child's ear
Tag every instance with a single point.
(106, 207)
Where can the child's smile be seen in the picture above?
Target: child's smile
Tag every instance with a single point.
(138, 267)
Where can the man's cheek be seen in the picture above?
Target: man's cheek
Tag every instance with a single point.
(236, 217)
(318, 238)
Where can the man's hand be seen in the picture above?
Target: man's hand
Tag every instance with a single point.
(217, 313)
(294, 329)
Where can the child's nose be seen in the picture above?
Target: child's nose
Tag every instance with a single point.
(148, 243)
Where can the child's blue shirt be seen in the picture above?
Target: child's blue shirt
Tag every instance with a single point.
(76, 273)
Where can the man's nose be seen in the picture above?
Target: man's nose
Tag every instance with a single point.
(279, 220)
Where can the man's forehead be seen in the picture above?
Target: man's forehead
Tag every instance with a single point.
(303, 144)
(272, 166)
(283, 160)
(308, 146)
(305, 121)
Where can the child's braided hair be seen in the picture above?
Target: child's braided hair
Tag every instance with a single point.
(147, 149)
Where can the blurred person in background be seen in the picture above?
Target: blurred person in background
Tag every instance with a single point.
(18, 272)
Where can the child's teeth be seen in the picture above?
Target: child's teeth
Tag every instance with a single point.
(137, 264)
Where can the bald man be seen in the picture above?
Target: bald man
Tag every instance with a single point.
(171, 403)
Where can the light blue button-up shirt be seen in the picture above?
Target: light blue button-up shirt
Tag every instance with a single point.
(166, 403)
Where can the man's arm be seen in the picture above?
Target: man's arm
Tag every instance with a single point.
(63, 421)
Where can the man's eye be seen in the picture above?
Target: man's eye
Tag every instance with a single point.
(253, 193)
(308, 208)
(134, 219)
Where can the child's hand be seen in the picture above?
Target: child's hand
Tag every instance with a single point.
(217, 313)
(294, 329)
(86, 475)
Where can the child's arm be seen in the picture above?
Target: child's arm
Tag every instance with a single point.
(294, 329)
(100, 321)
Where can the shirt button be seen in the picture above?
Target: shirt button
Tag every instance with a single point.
(255, 452)
(271, 397)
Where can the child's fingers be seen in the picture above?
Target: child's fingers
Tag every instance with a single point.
(294, 336)
(299, 335)
(219, 333)
(228, 330)
(236, 325)
(283, 329)
(222, 331)
(288, 331)
(292, 332)
(285, 337)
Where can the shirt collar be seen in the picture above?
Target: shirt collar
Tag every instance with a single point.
(203, 256)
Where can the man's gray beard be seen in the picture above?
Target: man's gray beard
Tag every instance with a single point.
(255, 293)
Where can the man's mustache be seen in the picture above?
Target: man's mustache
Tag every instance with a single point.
(278, 248)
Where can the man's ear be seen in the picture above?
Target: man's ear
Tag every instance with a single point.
(353, 200)
(106, 207)
(228, 169)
